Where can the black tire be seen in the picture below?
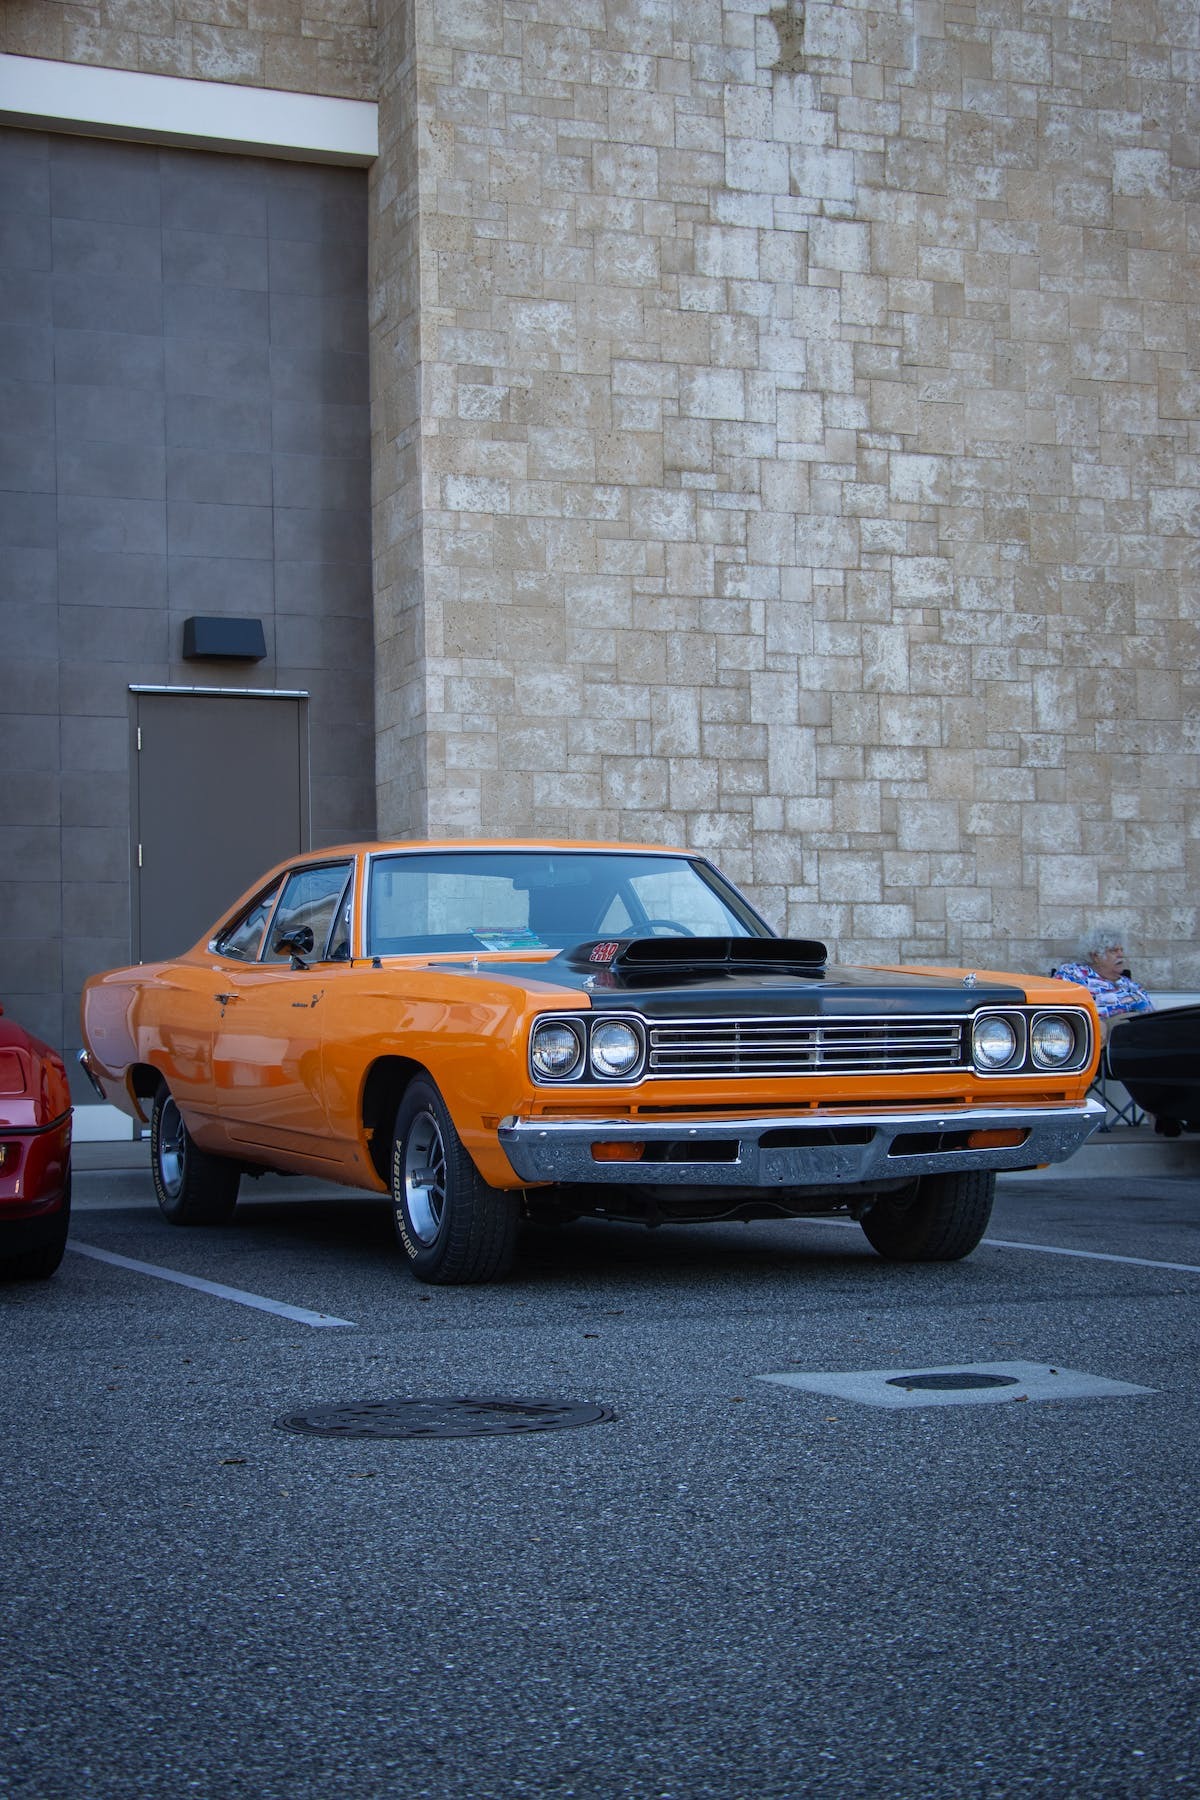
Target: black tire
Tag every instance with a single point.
(450, 1224)
(191, 1186)
(942, 1222)
(40, 1261)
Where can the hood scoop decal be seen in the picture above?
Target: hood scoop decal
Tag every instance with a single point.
(632, 958)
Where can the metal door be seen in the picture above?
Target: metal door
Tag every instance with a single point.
(220, 793)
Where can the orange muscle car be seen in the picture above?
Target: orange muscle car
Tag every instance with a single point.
(495, 1031)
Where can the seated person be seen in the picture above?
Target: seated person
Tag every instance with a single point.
(1099, 966)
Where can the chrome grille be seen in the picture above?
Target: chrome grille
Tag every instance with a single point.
(791, 1046)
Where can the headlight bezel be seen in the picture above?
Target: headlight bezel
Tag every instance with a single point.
(587, 1028)
(1024, 1021)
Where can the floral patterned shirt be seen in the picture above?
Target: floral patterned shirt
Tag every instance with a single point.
(1112, 997)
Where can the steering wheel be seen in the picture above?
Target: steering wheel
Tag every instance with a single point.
(672, 926)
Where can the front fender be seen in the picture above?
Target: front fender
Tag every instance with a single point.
(467, 1032)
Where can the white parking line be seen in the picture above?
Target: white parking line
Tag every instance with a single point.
(1139, 1262)
(299, 1314)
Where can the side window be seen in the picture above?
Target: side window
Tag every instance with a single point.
(312, 897)
(339, 937)
(244, 937)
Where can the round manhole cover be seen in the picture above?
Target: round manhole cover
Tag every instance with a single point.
(467, 1415)
(956, 1379)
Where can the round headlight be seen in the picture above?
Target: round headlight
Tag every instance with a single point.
(1053, 1041)
(556, 1050)
(993, 1042)
(616, 1049)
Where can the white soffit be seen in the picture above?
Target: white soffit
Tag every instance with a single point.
(205, 115)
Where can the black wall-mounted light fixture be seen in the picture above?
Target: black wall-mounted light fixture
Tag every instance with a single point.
(227, 640)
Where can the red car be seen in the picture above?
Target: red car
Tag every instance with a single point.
(35, 1156)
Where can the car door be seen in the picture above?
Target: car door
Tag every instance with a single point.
(267, 1064)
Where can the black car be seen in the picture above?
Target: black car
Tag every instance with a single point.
(1156, 1057)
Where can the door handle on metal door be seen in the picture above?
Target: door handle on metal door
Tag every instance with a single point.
(224, 999)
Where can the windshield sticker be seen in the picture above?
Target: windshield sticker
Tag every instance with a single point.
(507, 940)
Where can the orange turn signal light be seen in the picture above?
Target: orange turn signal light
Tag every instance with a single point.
(630, 1152)
(995, 1140)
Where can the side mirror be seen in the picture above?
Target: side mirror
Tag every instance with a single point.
(299, 943)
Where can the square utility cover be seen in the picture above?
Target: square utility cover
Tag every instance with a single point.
(957, 1384)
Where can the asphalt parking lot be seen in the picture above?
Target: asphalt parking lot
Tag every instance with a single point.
(735, 1586)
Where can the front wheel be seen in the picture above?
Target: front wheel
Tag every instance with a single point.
(191, 1187)
(942, 1222)
(40, 1261)
(450, 1224)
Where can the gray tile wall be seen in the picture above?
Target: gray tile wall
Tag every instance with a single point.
(183, 429)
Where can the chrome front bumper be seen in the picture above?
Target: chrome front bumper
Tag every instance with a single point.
(84, 1059)
(804, 1151)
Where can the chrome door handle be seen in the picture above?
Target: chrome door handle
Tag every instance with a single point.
(224, 999)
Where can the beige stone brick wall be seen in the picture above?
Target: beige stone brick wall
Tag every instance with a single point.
(302, 46)
(397, 398)
(808, 454)
(785, 427)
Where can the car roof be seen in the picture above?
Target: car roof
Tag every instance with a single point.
(558, 845)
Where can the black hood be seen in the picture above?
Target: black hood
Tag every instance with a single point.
(725, 977)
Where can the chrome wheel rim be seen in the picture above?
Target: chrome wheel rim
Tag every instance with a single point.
(172, 1147)
(425, 1178)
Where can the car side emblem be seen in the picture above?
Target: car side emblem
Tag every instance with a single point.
(971, 980)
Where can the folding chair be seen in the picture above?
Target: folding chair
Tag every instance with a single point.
(1119, 1109)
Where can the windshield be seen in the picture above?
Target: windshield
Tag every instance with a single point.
(544, 900)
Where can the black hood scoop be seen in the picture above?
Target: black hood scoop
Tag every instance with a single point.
(634, 961)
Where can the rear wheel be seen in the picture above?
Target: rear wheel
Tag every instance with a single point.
(450, 1224)
(191, 1186)
(942, 1222)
